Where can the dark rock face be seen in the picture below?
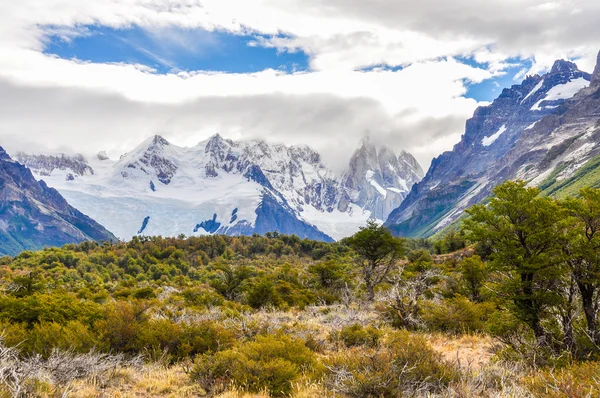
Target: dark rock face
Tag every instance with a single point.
(144, 225)
(596, 75)
(32, 215)
(273, 215)
(210, 226)
(493, 137)
(46, 164)
(152, 161)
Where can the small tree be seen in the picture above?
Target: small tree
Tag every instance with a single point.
(378, 252)
(582, 249)
(524, 232)
(473, 273)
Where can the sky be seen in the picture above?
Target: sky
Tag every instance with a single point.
(91, 75)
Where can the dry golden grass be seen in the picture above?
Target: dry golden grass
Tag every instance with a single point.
(468, 351)
(151, 381)
(155, 381)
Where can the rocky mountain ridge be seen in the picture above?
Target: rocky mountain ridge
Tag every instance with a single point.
(33, 215)
(231, 187)
(542, 128)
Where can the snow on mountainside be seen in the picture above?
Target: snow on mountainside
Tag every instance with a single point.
(502, 141)
(379, 180)
(32, 215)
(217, 186)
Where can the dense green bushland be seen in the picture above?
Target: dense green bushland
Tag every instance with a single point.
(263, 313)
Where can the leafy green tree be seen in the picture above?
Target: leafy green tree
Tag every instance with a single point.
(582, 249)
(473, 272)
(231, 279)
(378, 253)
(524, 231)
(328, 274)
(27, 284)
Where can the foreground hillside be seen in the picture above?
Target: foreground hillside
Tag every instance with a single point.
(500, 308)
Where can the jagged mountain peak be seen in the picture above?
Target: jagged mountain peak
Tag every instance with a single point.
(562, 66)
(596, 74)
(546, 122)
(102, 156)
(168, 190)
(216, 145)
(4, 155)
(159, 140)
(154, 158)
(73, 165)
(378, 179)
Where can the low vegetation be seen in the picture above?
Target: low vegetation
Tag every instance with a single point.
(505, 306)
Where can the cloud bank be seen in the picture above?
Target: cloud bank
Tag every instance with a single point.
(387, 67)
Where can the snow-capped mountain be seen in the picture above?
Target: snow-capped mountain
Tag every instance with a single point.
(32, 215)
(226, 187)
(531, 131)
(379, 180)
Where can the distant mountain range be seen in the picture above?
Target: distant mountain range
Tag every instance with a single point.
(230, 187)
(545, 131)
(32, 215)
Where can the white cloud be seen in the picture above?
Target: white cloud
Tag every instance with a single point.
(421, 107)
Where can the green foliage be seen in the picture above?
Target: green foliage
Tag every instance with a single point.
(269, 363)
(378, 251)
(474, 274)
(524, 230)
(58, 307)
(405, 364)
(457, 315)
(231, 279)
(450, 242)
(181, 340)
(355, 335)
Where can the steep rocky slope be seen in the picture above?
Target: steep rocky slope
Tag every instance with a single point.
(541, 128)
(32, 215)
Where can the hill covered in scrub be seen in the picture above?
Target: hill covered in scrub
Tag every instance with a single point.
(497, 308)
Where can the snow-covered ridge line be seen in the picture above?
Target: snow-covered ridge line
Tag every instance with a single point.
(230, 187)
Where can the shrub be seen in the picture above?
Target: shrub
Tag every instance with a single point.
(144, 293)
(122, 325)
(262, 293)
(182, 340)
(405, 364)
(457, 315)
(579, 380)
(48, 336)
(202, 297)
(269, 363)
(355, 335)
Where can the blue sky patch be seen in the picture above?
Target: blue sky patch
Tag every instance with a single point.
(173, 49)
(490, 89)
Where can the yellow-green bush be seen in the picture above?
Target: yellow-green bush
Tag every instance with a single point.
(457, 315)
(355, 335)
(269, 363)
(405, 363)
(579, 380)
(182, 340)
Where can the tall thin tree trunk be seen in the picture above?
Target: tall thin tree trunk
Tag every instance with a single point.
(589, 309)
